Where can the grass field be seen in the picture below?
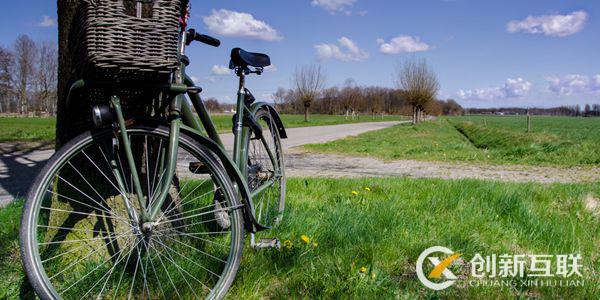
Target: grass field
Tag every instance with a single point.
(365, 244)
(42, 129)
(494, 139)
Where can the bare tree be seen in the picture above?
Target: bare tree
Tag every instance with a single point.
(419, 83)
(6, 66)
(279, 98)
(47, 75)
(25, 54)
(213, 105)
(309, 81)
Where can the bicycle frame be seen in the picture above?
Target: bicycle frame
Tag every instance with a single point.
(182, 117)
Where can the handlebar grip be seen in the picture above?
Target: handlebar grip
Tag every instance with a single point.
(192, 35)
(209, 40)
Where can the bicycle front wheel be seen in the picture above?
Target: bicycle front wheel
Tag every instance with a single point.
(82, 237)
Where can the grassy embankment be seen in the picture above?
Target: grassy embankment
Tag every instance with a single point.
(43, 129)
(497, 140)
(365, 245)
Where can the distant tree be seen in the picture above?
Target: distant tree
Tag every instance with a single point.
(419, 83)
(451, 108)
(587, 110)
(308, 81)
(596, 109)
(25, 58)
(279, 98)
(329, 102)
(351, 96)
(46, 79)
(6, 66)
(212, 105)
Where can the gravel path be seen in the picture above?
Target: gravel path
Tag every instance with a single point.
(305, 164)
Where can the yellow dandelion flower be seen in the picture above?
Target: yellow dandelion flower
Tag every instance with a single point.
(288, 244)
(355, 193)
(362, 269)
(368, 189)
(315, 244)
(373, 275)
(305, 239)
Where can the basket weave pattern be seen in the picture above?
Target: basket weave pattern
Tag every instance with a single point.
(114, 43)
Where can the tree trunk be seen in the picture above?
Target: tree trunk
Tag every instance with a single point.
(67, 125)
(305, 113)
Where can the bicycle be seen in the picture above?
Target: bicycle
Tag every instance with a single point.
(156, 208)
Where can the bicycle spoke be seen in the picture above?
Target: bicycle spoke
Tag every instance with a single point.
(104, 175)
(109, 273)
(113, 268)
(200, 214)
(166, 272)
(114, 215)
(179, 269)
(198, 250)
(86, 275)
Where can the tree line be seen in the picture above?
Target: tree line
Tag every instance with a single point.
(415, 94)
(28, 77)
(571, 111)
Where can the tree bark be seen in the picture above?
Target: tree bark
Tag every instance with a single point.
(67, 125)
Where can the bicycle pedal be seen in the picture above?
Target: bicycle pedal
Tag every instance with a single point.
(267, 243)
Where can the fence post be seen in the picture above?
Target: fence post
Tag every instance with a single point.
(528, 122)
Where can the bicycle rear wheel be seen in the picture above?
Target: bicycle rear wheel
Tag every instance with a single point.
(80, 240)
(265, 163)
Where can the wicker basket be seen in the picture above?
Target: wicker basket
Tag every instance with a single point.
(115, 43)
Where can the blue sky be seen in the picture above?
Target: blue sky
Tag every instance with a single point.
(486, 53)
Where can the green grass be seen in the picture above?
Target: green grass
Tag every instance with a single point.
(43, 129)
(385, 230)
(496, 140)
(27, 129)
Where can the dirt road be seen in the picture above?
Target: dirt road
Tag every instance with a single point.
(301, 163)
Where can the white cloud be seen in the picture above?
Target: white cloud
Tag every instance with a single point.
(363, 13)
(402, 44)
(211, 79)
(550, 25)
(334, 6)
(271, 69)
(47, 22)
(573, 84)
(220, 70)
(237, 24)
(512, 88)
(346, 51)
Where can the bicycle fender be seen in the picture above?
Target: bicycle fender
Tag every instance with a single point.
(279, 124)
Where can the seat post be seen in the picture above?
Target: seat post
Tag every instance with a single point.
(239, 150)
